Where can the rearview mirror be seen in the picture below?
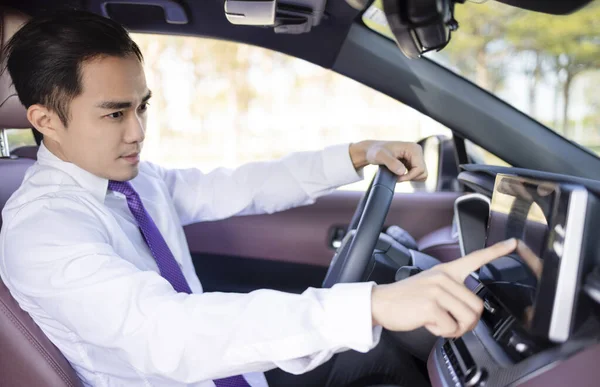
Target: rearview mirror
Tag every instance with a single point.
(420, 26)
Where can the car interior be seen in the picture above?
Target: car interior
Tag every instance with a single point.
(541, 322)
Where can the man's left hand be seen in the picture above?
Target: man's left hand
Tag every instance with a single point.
(403, 158)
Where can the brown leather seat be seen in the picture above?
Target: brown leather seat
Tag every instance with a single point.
(27, 357)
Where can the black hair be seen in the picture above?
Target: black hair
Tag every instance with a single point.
(44, 58)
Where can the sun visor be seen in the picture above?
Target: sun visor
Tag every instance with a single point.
(284, 16)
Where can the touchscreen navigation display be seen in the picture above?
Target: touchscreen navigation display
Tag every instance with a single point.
(539, 284)
(520, 209)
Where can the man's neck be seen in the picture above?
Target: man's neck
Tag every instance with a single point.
(54, 148)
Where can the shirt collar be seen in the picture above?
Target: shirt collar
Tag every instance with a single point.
(97, 186)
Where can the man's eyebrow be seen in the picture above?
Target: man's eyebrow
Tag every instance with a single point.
(114, 105)
(119, 105)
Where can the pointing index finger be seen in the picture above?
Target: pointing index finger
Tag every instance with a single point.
(462, 267)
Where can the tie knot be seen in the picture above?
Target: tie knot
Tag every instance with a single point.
(123, 187)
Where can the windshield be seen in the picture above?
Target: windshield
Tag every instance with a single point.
(547, 66)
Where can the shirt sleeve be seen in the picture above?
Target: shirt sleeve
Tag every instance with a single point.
(259, 187)
(71, 272)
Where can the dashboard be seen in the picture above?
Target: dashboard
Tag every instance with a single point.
(541, 306)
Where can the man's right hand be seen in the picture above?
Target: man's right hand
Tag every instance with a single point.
(436, 299)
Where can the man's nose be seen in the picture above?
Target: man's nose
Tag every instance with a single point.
(136, 130)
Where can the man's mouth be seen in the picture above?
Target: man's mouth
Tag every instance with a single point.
(132, 158)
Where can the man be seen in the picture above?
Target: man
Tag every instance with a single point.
(92, 245)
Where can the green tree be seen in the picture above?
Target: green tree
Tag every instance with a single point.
(524, 34)
(569, 44)
(477, 49)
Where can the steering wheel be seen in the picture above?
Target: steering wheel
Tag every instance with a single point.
(351, 260)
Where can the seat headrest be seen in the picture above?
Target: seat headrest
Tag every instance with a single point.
(13, 114)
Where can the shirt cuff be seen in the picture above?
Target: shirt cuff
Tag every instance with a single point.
(349, 317)
(338, 166)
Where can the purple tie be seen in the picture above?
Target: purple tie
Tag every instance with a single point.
(168, 266)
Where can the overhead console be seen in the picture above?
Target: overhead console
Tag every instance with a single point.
(539, 303)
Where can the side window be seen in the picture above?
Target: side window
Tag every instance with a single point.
(19, 137)
(218, 103)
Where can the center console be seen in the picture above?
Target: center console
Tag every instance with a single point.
(536, 314)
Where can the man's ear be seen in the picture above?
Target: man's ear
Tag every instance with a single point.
(45, 121)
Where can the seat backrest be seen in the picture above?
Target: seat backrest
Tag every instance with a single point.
(26, 152)
(11, 176)
(27, 357)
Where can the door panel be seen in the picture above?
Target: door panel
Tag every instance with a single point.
(301, 235)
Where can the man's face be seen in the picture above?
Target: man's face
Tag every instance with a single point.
(107, 121)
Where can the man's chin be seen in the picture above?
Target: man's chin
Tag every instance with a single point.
(130, 173)
(135, 170)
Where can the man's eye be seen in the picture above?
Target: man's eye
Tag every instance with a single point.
(143, 107)
(115, 115)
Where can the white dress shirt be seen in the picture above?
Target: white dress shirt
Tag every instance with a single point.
(72, 256)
